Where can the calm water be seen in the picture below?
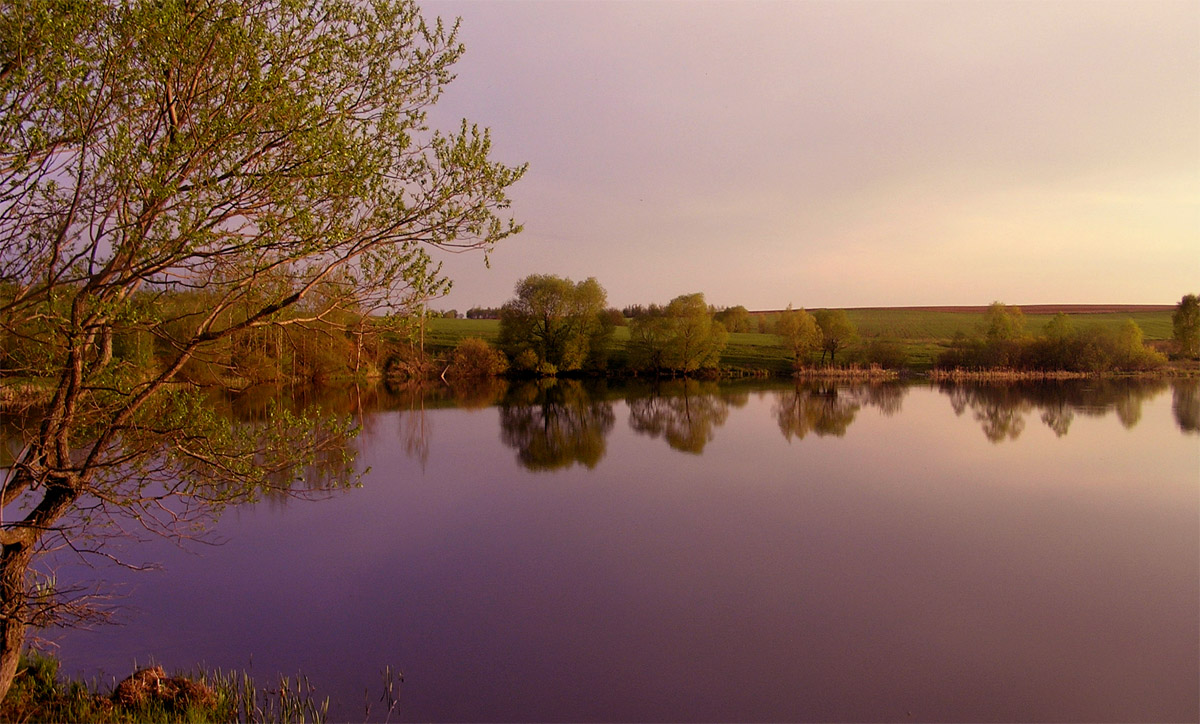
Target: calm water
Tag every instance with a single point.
(700, 553)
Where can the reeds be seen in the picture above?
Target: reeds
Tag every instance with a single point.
(37, 695)
(851, 372)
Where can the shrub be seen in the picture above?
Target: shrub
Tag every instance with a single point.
(474, 357)
(886, 353)
(1092, 349)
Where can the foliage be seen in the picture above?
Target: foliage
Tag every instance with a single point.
(483, 313)
(1003, 323)
(735, 319)
(922, 336)
(887, 353)
(837, 331)
(613, 318)
(1185, 322)
(269, 159)
(1061, 347)
(799, 331)
(554, 324)
(473, 357)
(1003, 332)
(684, 337)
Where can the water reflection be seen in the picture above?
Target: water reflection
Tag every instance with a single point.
(478, 394)
(823, 410)
(1185, 404)
(683, 412)
(1078, 602)
(826, 408)
(1001, 409)
(554, 424)
(313, 406)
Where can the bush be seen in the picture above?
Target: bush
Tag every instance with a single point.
(1091, 349)
(886, 353)
(474, 357)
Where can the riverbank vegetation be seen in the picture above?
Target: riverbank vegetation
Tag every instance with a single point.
(556, 326)
(996, 340)
(39, 693)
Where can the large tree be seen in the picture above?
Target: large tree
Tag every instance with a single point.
(683, 336)
(269, 157)
(554, 324)
(799, 331)
(837, 331)
(1186, 322)
(1003, 323)
(734, 319)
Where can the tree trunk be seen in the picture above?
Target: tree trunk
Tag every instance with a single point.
(14, 610)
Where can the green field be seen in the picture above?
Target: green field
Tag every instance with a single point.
(445, 333)
(923, 333)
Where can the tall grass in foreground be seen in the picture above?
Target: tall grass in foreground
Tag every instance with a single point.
(38, 695)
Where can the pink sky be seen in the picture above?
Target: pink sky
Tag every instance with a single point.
(841, 153)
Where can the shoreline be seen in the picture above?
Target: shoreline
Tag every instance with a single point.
(27, 394)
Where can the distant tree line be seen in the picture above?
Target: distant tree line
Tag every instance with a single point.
(555, 325)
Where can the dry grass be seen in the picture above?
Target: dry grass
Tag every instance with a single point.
(853, 372)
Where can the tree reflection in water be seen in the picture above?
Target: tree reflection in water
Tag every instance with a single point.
(1001, 408)
(684, 412)
(823, 409)
(828, 408)
(554, 424)
(1185, 403)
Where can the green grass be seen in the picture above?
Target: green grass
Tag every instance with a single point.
(445, 333)
(924, 334)
(754, 351)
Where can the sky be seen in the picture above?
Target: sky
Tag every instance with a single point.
(841, 153)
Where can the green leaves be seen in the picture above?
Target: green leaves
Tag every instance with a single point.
(1185, 322)
(684, 337)
(554, 324)
(259, 164)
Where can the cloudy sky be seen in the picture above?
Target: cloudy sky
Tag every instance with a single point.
(839, 153)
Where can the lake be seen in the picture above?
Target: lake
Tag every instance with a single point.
(691, 551)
